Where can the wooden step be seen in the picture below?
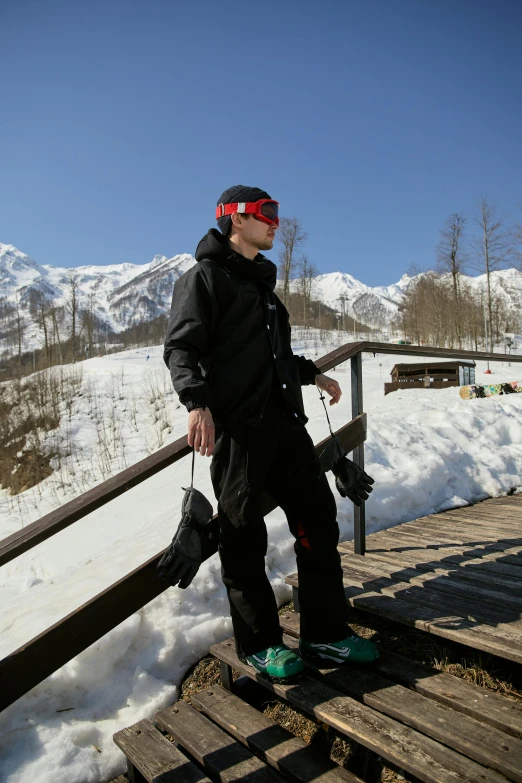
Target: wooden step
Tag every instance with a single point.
(448, 616)
(152, 758)
(499, 604)
(417, 753)
(277, 746)
(474, 739)
(486, 706)
(464, 567)
(222, 756)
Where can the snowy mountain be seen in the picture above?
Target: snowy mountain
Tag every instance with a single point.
(125, 294)
(121, 294)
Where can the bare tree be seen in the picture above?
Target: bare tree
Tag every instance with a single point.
(72, 307)
(41, 313)
(451, 258)
(57, 314)
(492, 249)
(292, 236)
(307, 272)
(89, 320)
(517, 240)
(20, 328)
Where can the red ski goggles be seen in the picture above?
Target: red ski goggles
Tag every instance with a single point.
(265, 209)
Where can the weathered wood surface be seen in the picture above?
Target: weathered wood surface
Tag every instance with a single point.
(427, 616)
(457, 574)
(471, 568)
(411, 750)
(489, 746)
(276, 745)
(219, 753)
(156, 759)
(486, 706)
(493, 604)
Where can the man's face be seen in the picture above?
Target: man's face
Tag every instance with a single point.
(257, 233)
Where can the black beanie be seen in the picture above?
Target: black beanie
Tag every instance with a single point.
(237, 193)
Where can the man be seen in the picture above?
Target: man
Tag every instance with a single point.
(229, 353)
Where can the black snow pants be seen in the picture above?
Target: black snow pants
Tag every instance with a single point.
(277, 458)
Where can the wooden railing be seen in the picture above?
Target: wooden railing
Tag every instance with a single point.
(37, 659)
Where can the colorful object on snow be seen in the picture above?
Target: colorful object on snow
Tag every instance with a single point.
(476, 391)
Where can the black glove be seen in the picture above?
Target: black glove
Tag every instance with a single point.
(195, 540)
(352, 481)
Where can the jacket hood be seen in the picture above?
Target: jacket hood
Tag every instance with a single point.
(215, 247)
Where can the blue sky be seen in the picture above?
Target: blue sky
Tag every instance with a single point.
(370, 120)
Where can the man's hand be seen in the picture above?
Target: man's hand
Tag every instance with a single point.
(201, 431)
(329, 385)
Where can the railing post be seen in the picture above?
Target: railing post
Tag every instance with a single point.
(359, 512)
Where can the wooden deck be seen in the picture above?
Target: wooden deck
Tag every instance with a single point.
(457, 574)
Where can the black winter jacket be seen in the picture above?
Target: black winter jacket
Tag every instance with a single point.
(229, 336)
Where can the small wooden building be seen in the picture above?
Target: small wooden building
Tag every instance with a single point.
(436, 375)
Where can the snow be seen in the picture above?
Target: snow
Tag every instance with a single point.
(427, 449)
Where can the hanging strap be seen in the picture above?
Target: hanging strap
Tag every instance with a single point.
(322, 397)
(193, 458)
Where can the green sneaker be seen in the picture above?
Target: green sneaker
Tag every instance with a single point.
(354, 649)
(278, 661)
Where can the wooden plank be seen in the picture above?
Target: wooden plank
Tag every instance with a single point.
(276, 745)
(418, 754)
(476, 575)
(502, 604)
(487, 520)
(487, 565)
(157, 759)
(219, 753)
(484, 522)
(486, 745)
(510, 501)
(484, 705)
(431, 593)
(427, 614)
(494, 554)
(457, 525)
(504, 513)
(458, 535)
(474, 633)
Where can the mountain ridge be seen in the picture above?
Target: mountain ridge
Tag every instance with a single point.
(126, 294)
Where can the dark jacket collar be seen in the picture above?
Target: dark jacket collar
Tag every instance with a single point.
(215, 246)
